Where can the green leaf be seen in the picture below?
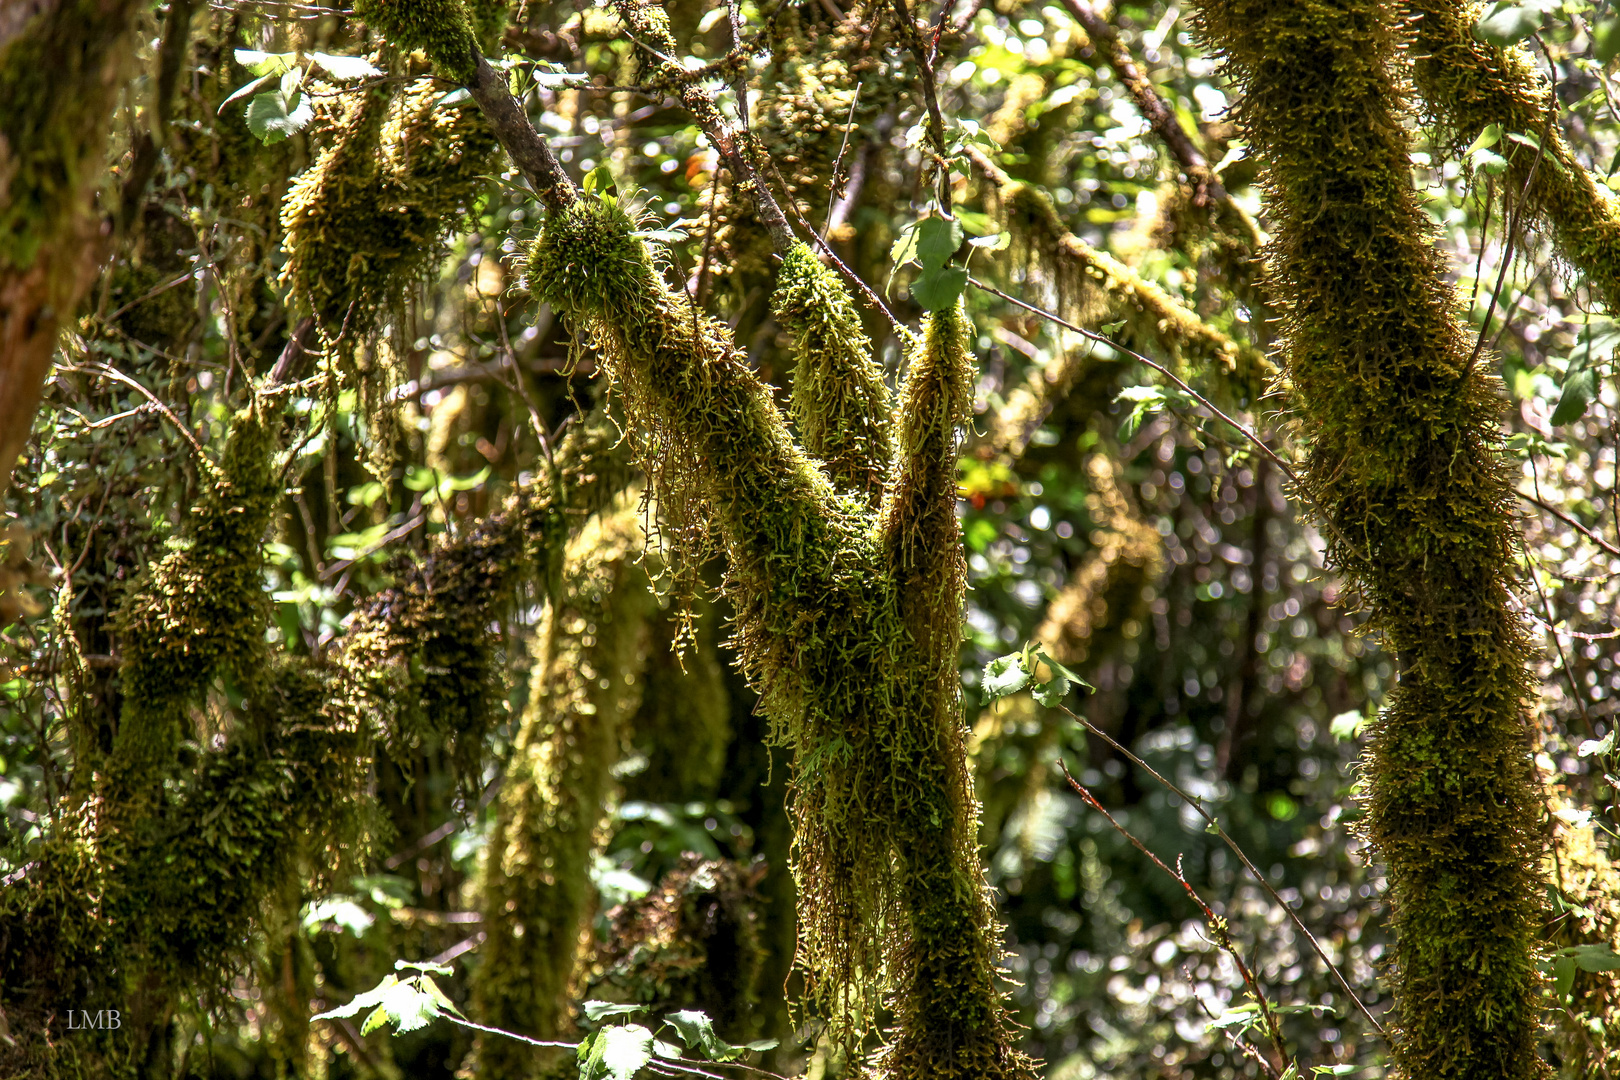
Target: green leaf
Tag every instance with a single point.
(992, 243)
(697, 1030)
(598, 179)
(617, 1053)
(1347, 725)
(244, 90)
(346, 67)
(937, 240)
(1240, 1016)
(761, 1045)
(1599, 747)
(1333, 1070)
(1046, 658)
(1507, 24)
(1004, 675)
(272, 117)
(1487, 138)
(1580, 387)
(938, 288)
(370, 999)
(263, 63)
(425, 965)
(596, 1011)
(1052, 692)
(904, 248)
(1594, 957)
(1606, 39)
(1563, 976)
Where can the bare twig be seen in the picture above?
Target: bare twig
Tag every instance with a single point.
(1231, 844)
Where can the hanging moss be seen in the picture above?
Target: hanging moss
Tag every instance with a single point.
(538, 895)
(848, 624)
(691, 943)
(841, 405)
(1405, 464)
(200, 611)
(421, 657)
(683, 726)
(1468, 84)
(1090, 287)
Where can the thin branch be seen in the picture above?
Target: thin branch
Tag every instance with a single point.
(1567, 520)
(1254, 871)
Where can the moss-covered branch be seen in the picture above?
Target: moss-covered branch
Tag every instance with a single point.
(537, 888)
(419, 656)
(841, 405)
(1092, 286)
(1468, 84)
(1404, 461)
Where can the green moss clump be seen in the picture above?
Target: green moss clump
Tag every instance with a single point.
(841, 404)
(1468, 84)
(443, 29)
(421, 657)
(1405, 464)
(200, 611)
(537, 892)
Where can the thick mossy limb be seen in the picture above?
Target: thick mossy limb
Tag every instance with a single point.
(200, 611)
(538, 896)
(1468, 84)
(861, 687)
(949, 1020)
(421, 656)
(1405, 465)
(841, 405)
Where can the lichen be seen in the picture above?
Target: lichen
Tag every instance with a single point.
(1405, 467)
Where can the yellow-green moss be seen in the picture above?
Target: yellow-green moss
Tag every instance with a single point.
(1468, 84)
(1405, 464)
(201, 610)
(538, 896)
(841, 405)
(443, 29)
(848, 621)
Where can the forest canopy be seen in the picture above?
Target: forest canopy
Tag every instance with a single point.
(977, 540)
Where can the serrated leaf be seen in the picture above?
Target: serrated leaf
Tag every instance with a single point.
(1580, 387)
(618, 1053)
(409, 1006)
(346, 67)
(1507, 24)
(560, 78)
(992, 243)
(270, 117)
(937, 240)
(1052, 692)
(424, 965)
(1004, 675)
(596, 1011)
(367, 1000)
(761, 1045)
(439, 999)
(667, 1050)
(939, 288)
(1068, 673)
(904, 248)
(697, 1031)
(244, 90)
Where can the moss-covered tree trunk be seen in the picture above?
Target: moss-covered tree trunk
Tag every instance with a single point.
(1404, 464)
(61, 64)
